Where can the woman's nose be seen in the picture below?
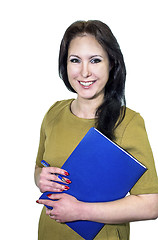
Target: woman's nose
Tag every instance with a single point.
(85, 71)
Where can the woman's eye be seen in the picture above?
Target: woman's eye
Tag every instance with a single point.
(74, 60)
(96, 60)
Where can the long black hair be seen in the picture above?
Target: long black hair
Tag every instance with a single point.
(112, 110)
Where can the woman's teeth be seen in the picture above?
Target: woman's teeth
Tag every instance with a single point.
(86, 84)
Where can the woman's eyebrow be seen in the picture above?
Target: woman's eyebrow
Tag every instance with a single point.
(73, 55)
(96, 55)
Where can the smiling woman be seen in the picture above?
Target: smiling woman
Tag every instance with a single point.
(91, 64)
(106, 52)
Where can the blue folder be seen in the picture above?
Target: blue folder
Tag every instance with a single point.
(100, 171)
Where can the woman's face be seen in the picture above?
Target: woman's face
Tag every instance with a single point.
(87, 67)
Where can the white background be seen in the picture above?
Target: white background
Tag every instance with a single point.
(30, 34)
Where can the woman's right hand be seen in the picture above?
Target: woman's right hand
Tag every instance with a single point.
(48, 179)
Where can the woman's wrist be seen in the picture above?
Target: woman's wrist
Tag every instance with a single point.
(83, 211)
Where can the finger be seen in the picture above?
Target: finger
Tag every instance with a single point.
(52, 189)
(58, 190)
(62, 179)
(56, 196)
(56, 170)
(46, 202)
(48, 211)
(52, 186)
(58, 178)
(58, 221)
(58, 187)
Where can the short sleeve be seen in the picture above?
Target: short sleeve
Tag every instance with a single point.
(41, 148)
(135, 141)
(49, 116)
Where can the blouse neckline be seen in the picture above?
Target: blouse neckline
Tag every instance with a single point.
(76, 117)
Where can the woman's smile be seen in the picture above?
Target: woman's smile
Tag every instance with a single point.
(86, 84)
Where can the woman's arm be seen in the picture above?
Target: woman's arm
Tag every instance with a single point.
(128, 209)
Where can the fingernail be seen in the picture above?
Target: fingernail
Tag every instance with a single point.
(68, 181)
(49, 195)
(66, 173)
(66, 188)
(37, 201)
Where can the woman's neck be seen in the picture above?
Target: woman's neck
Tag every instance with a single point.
(85, 108)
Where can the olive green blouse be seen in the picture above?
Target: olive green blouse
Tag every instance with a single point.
(61, 131)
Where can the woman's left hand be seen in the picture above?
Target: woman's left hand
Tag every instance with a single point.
(66, 209)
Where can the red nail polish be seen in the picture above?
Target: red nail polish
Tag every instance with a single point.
(66, 173)
(49, 195)
(68, 181)
(37, 201)
(66, 188)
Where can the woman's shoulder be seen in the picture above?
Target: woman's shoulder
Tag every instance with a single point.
(56, 108)
(131, 116)
(59, 105)
(132, 120)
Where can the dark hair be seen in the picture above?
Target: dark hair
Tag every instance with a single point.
(111, 112)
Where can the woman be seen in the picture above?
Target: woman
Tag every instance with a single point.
(91, 64)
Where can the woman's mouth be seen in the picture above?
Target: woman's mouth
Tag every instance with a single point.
(86, 84)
